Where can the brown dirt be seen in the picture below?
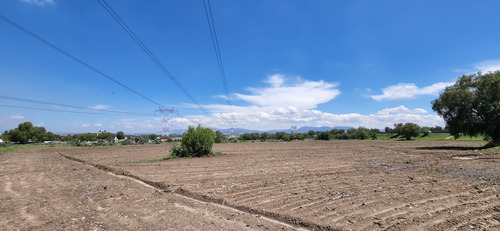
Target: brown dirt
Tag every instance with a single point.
(335, 185)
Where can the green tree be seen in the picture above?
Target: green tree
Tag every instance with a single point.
(282, 136)
(425, 131)
(219, 137)
(196, 142)
(388, 130)
(300, 136)
(264, 136)
(152, 136)
(472, 105)
(87, 137)
(398, 128)
(410, 130)
(120, 135)
(324, 136)
(21, 134)
(106, 136)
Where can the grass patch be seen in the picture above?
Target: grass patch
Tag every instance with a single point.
(156, 160)
(169, 157)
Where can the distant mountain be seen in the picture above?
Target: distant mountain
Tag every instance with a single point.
(321, 129)
(238, 131)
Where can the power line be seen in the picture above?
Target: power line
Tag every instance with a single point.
(56, 110)
(215, 43)
(69, 106)
(76, 59)
(117, 18)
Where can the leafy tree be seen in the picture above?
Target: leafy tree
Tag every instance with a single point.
(410, 130)
(196, 142)
(425, 131)
(26, 132)
(398, 128)
(324, 136)
(437, 129)
(472, 105)
(388, 130)
(139, 140)
(311, 133)
(18, 136)
(152, 136)
(87, 137)
(264, 136)
(120, 135)
(282, 136)
(106, 136)
(219, 137)
(300, 136)
(374, 132)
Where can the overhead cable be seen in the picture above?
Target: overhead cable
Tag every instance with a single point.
(117, 18)
(215, 43)
(76, 59)
(56, 110)
(69, 106)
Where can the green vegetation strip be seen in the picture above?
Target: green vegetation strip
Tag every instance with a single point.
(156, 160)
(168, 157)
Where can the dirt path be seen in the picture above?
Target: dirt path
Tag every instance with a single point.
(41, 190)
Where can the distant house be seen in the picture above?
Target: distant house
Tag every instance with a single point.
(1, 141)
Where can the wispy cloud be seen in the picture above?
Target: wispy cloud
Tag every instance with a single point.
(97, 125)
(16, 117)
(99, 106)
(409, 91)
(488, 66)
(40, 2)
(85, 125)
(301, 94)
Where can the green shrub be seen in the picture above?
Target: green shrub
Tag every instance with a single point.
(195, 142)
(324, 136)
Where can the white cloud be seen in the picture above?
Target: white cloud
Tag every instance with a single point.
(40, 124)
(85, 125)
(409, 91)
(401, 110)
(39, 2)
(264, 119)
(303, 94)
(97, 125)
(16, 117)
(99, 106)
(288, 109)
(488, 66)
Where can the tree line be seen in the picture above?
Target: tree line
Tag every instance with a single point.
(27, 133)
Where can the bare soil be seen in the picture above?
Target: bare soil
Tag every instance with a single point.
(311, 185)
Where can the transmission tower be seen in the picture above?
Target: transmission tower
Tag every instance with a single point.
(294, 128)
(165, 116)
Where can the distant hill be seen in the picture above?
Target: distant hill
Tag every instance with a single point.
(238, 131)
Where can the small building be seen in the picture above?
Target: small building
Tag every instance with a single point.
(1, 141)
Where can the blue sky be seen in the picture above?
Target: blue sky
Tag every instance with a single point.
(302, 63)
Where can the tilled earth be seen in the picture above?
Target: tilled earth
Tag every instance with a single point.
(312, 185)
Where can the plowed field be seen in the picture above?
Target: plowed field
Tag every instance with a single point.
(330, 185)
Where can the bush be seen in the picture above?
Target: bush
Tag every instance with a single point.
(410, 130)
(324, 136)
(196, 142)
